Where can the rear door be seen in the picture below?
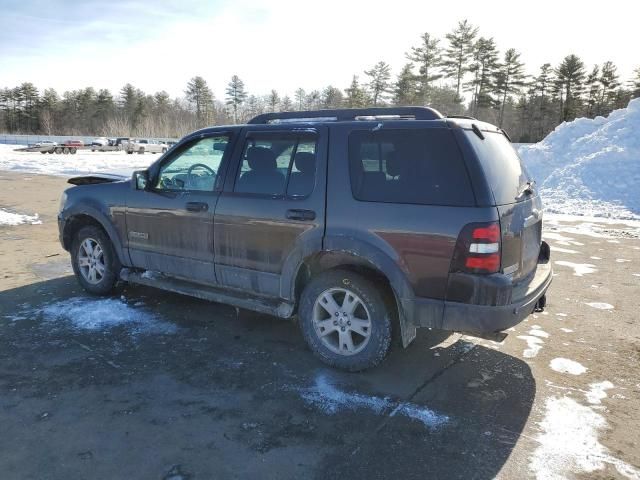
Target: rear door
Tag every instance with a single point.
(272, 210)
(518, 203)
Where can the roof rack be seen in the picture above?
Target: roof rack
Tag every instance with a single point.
(466, 117)
(349, 114)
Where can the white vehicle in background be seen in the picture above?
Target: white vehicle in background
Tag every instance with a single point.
(98, 143)
(46, 143)
(143, 145)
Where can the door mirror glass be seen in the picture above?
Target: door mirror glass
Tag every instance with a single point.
(141, 180)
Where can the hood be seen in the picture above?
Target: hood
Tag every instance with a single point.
(96, 178)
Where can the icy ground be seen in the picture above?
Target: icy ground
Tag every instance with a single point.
(11, 218)
(590, 166)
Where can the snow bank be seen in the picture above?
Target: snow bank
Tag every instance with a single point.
(590, 166)
(9, 218)
(82, 163)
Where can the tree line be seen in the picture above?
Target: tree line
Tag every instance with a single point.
(464, 74)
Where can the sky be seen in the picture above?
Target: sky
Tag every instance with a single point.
(284, 44)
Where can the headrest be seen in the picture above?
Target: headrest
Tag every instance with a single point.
(305, 162)
(261, 158)
(394, 164)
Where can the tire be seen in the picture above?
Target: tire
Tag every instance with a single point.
(65, 150)
(102, 284)
(59, 150)
(73, 150)
(164, 150)
(43, 152)
(366, 351)
(130, 152)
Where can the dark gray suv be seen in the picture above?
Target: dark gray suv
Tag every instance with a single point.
(363, 223)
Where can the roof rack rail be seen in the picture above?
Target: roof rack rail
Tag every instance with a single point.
(349, 114)
(466, 117)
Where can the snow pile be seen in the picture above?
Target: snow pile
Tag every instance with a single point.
(564, 365)
(82, 163)
(9, 218)
(590, 166)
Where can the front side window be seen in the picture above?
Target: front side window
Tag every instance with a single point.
(278, 164)
(417, 166)
(195, 166)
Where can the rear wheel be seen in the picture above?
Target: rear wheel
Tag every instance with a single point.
(59, 150)
(345, 320)
(73, 150)
(94, 261)
(65, 150)
(43, 152)
(140, 151)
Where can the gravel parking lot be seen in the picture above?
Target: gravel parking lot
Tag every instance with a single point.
(154, 385)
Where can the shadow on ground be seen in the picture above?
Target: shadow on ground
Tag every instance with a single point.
(228, 394)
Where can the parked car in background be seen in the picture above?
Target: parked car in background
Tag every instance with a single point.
(99, 142)
(361, 222)
(73, 143)
(45, 143)
(144, 145)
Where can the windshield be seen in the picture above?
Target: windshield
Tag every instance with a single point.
(502, 166)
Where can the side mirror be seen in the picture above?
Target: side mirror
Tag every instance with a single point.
(141, 180)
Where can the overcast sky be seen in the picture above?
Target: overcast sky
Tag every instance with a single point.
(160, 44)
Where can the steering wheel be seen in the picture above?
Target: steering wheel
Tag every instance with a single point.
(191, 177)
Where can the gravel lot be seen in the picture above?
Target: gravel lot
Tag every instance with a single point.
(154, 385)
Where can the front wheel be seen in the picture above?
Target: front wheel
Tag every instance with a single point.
(94, 261)
(345, 321)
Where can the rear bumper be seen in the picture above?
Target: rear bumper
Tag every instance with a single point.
(472, 318)
(492, 303)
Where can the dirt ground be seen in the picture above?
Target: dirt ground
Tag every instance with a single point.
(154, 385)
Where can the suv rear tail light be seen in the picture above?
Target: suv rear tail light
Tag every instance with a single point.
(477, 249)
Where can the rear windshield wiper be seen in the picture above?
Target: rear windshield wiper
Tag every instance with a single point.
(527, 189)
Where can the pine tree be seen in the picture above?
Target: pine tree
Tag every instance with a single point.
(331, 98)
(635, 83)
(200, 96)
(570, 77)
(379, 82)
(511, 79)
(312, 101)
(355, 95)
(484, 68)
(286, 105)
(301, 97)
(610, 83)
(406, 90)
(274, 100)
(543, 84)
(427, 56)
(458, 54)
(236, 95)
(593, 91)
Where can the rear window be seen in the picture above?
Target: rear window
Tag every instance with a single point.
(419, 166)
(505, 173)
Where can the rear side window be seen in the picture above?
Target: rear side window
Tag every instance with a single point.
(420, 166)
(505, 173)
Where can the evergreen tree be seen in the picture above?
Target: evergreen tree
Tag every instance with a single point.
(274, 101)
(610, 83)
(236, 95)
(458, 54)
(570, 78)
(331, 98)
(379, 82)
(286, 105)
(511, 79)
(355, 95)
(427, 56)
(406, 90)
(593, 91)
(301, 97)
(635, 83)
(484, 68)
(200, 96)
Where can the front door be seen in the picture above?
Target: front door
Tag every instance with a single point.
(170, 224)
(271, 212)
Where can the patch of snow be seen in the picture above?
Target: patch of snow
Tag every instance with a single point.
(82, 163)
(564, 365)
(13, 219)
(600, 305)
(534, 344)
(566, 330)
(595, 258)
(536, 332)
(568, 443)
(330, 399)
(622, 260)
(590, 166)
(579, 269)
(563, 250)
(598, 391)
(107, 313)
(561, 314)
